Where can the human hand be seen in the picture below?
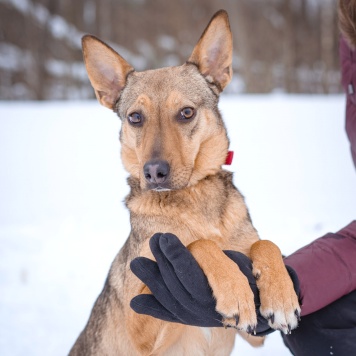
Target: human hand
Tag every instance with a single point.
(180, 290)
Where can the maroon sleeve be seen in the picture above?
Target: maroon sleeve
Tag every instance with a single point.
(326, 268)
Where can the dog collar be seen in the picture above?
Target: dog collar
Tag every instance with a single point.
(229, 157)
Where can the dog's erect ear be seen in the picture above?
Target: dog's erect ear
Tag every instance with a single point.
(213, 52)
(106, 69)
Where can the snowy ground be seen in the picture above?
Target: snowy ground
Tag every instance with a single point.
(62, 219)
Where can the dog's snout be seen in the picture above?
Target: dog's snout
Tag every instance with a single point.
(156, 171)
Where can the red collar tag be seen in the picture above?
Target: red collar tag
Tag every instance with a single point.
(229, 157)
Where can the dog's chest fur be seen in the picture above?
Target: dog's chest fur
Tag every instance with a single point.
(212, 209)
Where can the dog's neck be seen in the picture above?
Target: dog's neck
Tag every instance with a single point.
(151, 202)
(212, 208)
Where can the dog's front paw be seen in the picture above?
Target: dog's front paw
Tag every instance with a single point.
(279, 302)
(235, 302)
(230, 287)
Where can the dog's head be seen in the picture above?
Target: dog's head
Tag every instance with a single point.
(172, 134)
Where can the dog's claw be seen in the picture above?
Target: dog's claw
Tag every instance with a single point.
(251, 329)
(297, 314)
(230, 322)
(271, 317)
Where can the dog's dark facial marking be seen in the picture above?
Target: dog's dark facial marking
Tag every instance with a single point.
(194, 130)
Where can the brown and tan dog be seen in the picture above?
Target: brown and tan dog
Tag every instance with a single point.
(174, 144)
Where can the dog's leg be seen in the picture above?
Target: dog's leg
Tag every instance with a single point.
(114, 330)
(151, 336)
(279, 302)
(230, 286)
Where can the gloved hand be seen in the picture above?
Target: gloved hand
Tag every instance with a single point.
(181, 292)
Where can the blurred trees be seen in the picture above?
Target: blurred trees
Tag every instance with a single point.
(290, 45)
(285, 45)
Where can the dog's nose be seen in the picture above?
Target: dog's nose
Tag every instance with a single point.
(156, 171)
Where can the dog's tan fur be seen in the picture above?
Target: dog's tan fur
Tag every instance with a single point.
(199, 203)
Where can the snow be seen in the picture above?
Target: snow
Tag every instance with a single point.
(62, 219)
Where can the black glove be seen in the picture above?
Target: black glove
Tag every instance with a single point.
(181, 292)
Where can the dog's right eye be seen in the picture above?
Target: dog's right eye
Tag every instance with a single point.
(186, 114)
(135, 118)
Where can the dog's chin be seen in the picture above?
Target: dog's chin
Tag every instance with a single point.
(163, 187)
(157, 187)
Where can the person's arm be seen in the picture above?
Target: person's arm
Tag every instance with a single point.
(326, 268)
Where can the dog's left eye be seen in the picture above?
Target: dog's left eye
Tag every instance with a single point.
(186, 114)
(135, 118)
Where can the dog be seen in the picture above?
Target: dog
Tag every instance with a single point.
(174, 144)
